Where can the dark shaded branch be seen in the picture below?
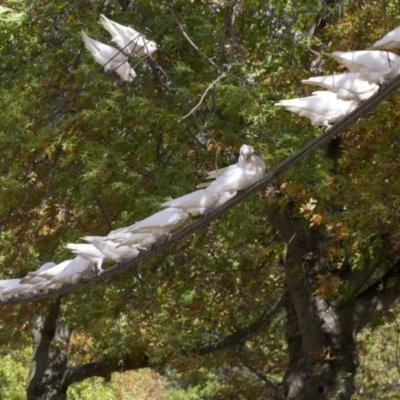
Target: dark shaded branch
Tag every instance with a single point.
(378, 297)
(103, 369)
(274, 173)
(268, 383)
(359, 277)
(241, 335)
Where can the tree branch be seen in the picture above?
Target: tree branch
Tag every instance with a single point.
(377, 297)
(103, 369)
(210, 86)
(244, 334)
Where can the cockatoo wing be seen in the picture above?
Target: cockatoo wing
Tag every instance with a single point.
(374, 65)
(88, 252)
(160, 223)
(322, 108)
(348, 86)
(6, 283)
(194, 203)
(128, 39)
(108, 57)
(390, 41)
(51, 272)
(111, 250)
(73, 271)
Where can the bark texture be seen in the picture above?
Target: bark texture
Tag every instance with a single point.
(322, 333)
(50, 375)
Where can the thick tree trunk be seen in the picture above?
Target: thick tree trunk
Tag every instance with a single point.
(321, 331)
(326, 371)
(50, 352)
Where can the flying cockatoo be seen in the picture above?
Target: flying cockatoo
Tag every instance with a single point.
(200, 201)
(108, 57)
(390, 41)
(323, 108)
(373, 65)
(72, 272)
(348, 86)
(111, 250)
(241, 175)
(130, 41)
(161, 223)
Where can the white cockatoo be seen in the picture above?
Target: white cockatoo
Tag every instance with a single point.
(241, 175)
(323, 108)
(111, 250)
(130, 41)
(108, 57)
(34, 276)
(88, 252)
(200, 201)
(48, 273)
(139, 241)
(40, 280)
(5, 283)
(375, 66)
(160, 224)
(73, 271)
(16, 288)
(390, 41)
(348, 86)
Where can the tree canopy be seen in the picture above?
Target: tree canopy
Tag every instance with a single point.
(281, 284)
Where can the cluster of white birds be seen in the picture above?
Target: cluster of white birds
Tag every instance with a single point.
(126, 243)
(130, 41)
(367, 70)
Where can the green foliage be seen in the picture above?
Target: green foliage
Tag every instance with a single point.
(82, 152)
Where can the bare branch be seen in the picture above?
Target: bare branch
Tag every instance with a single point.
(103, 369)
(241, 335)
(210, 86)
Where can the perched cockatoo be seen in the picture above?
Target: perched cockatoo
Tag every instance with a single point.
(161, 223)
(111, 250)
(17, 289)
(200, 201)
(390, 41)
(139, 241)
(241, 175)
(374, 65)
(323, 108)
(130, 41)
(48, 273)
(6, 283)
(72, 272)
(348, 86)
(108, 57)
(40, 279)
(34, 276)
(88, 252)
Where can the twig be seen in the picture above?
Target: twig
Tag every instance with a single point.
(210, 86)
(259, 375)
(188, 38)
